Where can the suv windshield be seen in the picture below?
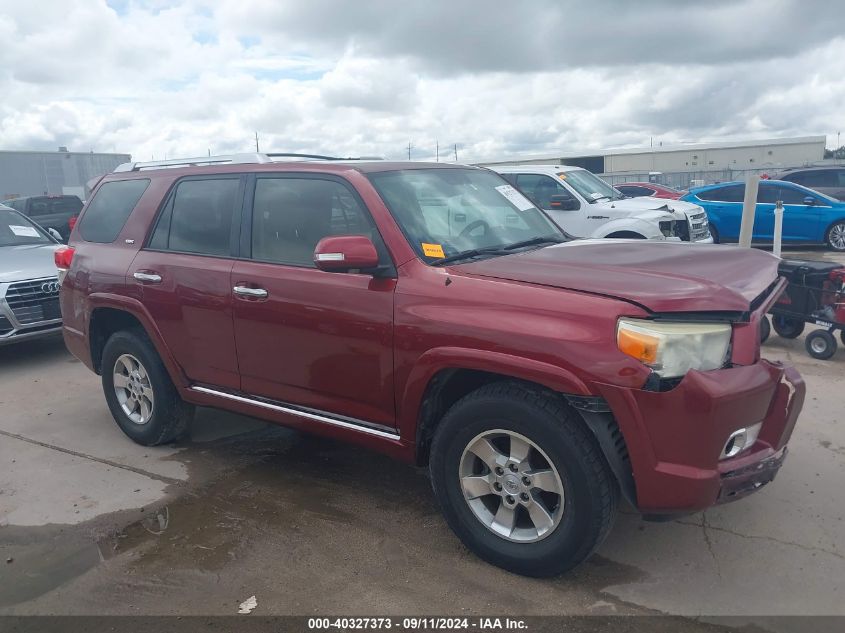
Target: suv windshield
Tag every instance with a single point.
(16, 230)
(447, 214)
(592, 188)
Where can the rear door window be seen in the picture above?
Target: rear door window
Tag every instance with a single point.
(199, 217)
(108, 211)
(730, 193)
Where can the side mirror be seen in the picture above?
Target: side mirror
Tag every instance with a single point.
(564, 203)
(55, 235)
(809, 201)
(342, 253)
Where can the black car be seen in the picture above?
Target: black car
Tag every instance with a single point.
(50, 212)
(829, 180)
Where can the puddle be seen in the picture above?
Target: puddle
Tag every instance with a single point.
(43, 558)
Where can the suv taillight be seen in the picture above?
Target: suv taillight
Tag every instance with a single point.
(63, 256)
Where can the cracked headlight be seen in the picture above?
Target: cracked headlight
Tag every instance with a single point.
(672, 349)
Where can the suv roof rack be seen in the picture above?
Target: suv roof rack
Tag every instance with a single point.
(231, 159)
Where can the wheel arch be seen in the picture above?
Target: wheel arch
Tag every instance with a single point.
(110, 314)
(442, 376)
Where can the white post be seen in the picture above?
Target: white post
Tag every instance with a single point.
(778, 228)
(749, 206)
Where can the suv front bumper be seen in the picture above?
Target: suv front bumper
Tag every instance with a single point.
(675, 438)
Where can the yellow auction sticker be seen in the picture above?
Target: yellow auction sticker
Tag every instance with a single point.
(433, 250)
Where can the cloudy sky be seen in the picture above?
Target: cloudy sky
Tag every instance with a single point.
(496, 77)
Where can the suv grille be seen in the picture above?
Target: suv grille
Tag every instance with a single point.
(5, 326)
(34, 301)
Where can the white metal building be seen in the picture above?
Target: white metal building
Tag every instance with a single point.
(26, 173)
(679, 164)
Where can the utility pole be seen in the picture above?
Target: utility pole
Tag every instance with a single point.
(256, 144)
(437, 150)
(456, 152)
(409, 150)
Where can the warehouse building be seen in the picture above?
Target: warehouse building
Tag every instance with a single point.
(678, 165)
(52, 173)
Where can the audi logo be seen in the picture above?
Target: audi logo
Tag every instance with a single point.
(50, 287)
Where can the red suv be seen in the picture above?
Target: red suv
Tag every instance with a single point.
(431, 312)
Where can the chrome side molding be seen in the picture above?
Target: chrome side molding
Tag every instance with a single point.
(310, 415)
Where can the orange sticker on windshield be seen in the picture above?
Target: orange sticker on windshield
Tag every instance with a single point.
(433, 250)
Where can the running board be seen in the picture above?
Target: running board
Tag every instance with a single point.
(361, 427)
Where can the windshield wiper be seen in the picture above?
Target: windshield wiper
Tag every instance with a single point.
(476, 252)
(497, 250)
(534, 241)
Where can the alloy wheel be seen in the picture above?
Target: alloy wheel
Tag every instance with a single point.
(511, 486)
(836, 236)
(133, 389)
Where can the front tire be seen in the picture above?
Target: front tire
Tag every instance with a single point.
(521, 481)
(139, 392)
(835, 236)
(820, 344)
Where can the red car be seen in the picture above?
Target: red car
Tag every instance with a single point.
(432, 313)
(648, 189)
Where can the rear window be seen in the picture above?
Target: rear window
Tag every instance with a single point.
(105, 216)
(50, 206)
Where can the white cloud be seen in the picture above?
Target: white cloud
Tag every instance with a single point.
(366, 78)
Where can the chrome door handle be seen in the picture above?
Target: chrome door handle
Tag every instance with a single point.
(151, 278)
(255, 293)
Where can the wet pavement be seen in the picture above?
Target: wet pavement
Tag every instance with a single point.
(91, 523)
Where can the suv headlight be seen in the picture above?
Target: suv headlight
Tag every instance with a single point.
(672, 349)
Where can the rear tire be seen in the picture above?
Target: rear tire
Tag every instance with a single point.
(765, 329)
(820, 344)
(535, 433)
(835, 236)
(786, 327)
(139, 392)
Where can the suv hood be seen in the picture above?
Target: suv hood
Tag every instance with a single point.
(18, 263)
(660, 276)
(678, 208)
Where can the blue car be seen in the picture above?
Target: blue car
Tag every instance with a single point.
(808, 216)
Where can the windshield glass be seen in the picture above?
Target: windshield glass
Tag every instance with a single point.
(446, 212)
(591, 187)
(16, 230)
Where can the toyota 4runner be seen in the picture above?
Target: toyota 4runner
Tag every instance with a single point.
(432, 313)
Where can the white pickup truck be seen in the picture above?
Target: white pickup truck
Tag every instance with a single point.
(584, 205)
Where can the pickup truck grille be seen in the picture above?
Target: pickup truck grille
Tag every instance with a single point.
(34, 301)
(698, 226)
